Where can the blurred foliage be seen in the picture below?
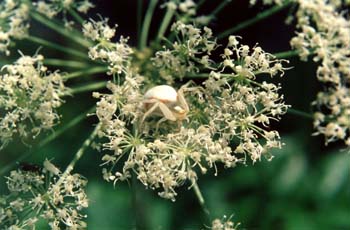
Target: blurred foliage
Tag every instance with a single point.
(291, 192)
(306, 186)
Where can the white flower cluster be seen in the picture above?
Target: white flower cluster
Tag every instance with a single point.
(43, 193)
(233, 123)
(243, 113)
(14, 16)
(240, 109)
(52, 8)
(248, 62)
(186, 7)
(125, 100)
(29, 97)
(224, 224)
(171, 159)
(187, 12)
(13, 22)
(324, 31)
(117, 54)
(191, 50)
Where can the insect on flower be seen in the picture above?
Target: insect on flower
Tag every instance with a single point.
(27, 167)
(163, 100)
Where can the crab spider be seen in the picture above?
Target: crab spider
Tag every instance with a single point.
(163, 100)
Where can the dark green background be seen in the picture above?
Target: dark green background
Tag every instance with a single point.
(306, 186)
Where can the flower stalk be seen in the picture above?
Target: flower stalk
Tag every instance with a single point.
(57, 133)
(139, 17)
(50, 23)
(85, 72)
(219, 8)
(147, 23)
(65, 63)
(200, 3)
(300, 114)
(55, 46)
(287, 54)
(257, 18)
(87, 88)
(79, 154)
(200, 199)
(76, 120)
(76, 16)
(165, 22)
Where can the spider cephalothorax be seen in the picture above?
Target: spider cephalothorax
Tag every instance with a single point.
(163, 100)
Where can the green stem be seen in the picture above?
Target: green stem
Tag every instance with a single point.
(300, 114)
(65, 63)
(228, 75)
(139, 18)
(79, 154)
(165, 23)
(286, 54)
(220, 7)
(200, 198)
(59, 28)
(138, 206)
(76, 120)
(200, 3)
(48, 139)
(254, 20)
(93, 70)
(203, 75)
(147, 23)
(55, 46)
(87, 88)
(76, 16)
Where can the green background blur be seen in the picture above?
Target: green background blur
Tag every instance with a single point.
(306, 186)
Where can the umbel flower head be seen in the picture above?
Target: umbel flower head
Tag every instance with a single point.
(323, 32)
(231, 126)
(51, 8)
(13, 22)
(186, 55)
(14, 16)
(224, 224)
(43, 192)
(116, 54)
(29, 97)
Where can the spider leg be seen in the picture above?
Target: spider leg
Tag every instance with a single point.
(158, 123)
(151, 110)
(180, 93)
(182, 100)
(187, 84)
(166, 112)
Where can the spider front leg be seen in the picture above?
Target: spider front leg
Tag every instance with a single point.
(151, 110)
(158, 123)
(194, 88)
(166, 112)
(182, 100)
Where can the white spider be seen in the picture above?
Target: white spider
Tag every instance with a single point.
(163, 100)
